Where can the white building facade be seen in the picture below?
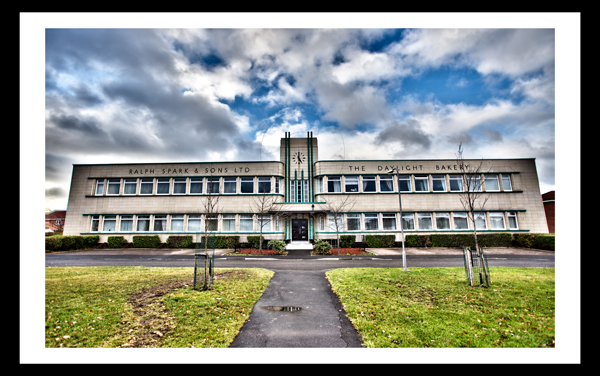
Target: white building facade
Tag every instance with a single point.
(168, 199)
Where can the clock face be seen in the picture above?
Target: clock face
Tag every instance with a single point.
(299, 158)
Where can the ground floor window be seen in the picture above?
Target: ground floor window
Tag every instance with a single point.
(424, 221)
(442, 221)
(371, 222)
(246, 223)
(353, 222)
(177, 223)
(126, 223)
(194, 223)
(143, 223)
(389, 221)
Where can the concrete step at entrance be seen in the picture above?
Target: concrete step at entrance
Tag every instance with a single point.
(299, 246)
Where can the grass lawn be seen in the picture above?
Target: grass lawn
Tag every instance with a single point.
(436, 307)
(147, 307)
(116, 307)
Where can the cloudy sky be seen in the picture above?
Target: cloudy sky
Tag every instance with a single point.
(164, 94)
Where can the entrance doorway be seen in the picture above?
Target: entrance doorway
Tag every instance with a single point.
(300, 229)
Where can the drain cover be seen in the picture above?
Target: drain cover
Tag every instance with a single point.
(277, 308)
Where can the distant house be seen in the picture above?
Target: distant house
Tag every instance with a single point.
(55, 220)
(548, 200)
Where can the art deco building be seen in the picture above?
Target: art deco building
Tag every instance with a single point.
(171, 198)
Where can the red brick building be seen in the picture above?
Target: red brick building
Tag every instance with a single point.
(55, 220)
(548, 200)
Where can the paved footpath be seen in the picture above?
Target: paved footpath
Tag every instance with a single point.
(320, 321)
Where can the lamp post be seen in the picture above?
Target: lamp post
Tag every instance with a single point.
(392, 171)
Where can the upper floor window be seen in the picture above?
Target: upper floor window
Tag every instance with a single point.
(386, 183)
(506, 184)
(334, 184)
(114, 185)
(491, 183)
(456, 183)
(404, 183)
(99, 187)
(146, 186)
(162, 187)
(179, 186)
(369, 184)
(438, 183)
(130, 186)
(351, 184)
(213, 186)
(264, 185)
(196, 185)
(422, 183)
(229, 185)
(247, 185)
(474, 183)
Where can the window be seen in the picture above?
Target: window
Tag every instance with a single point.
(321, 222)
(95, 221)
(146, 186)
(424, 220)
(333, 220)
(460, 221)
(143, 223)
(247, 185)
(506, 182)
(353, 222)
(304, 196)
(491, 183)
(474, 183)
(177, 223)
(264, 185)
(386, 183)
(277, 185)
(334, 184)
(162, 187)
(194, 223)
(456, 183)
(497, 221)
(196, 185)
(442, 221)
(114, 185)
(130, 186)
(351, 183)
(389, 221)
(179, 186)
(512, 221)
(266, 222)
(212, 222)
(369, 184)
(480, 222)
(246, 223)
(421, 183)
(438, 183)
(404, 181)
(228, 222)
(213, 186)
(371, 222)
(319, 185)
(99, 187)
(126, 223)
(229, 185)
(277, 223)
(408, 221)
(160, 223)
(109, 223)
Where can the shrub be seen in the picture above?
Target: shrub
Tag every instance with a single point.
(179, 241)
(146, 241)
(539, 241)
(346, 241)
(277, 245)
(116, 242)
(254, 241)
(226, 242)
(90, 241)
(322, 247)
(417, 241)
(380, 241)
(70, 243)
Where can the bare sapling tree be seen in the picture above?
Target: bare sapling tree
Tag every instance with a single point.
(473, 201)
(211, 216)
(336, 209)
(266, 207)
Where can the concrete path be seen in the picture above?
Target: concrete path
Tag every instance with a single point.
(320, 320)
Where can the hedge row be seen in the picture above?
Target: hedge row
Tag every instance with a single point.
(538, 241)
(70, 243)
